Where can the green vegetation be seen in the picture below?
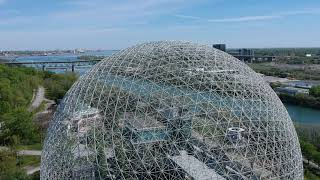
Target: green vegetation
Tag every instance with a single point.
(58, 84)
(274, 70)
(17, 85)
(17, 129)
(11, 166)
(299, 60)
(8, 166)
(24, 161)
(309, 133)
(16, 91)
(308, 175)
(301, 100)
(310, 152)
(35, 146)
(312, 100)
(291, 62)
(292, 55)
(315, 91)
(309, 138)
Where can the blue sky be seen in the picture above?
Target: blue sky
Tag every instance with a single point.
(116, 24)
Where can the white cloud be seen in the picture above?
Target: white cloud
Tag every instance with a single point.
(245, 18)
(301, 12)
(267, 17)
(187, 17)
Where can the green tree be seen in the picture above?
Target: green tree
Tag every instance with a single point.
(315, 91)
(316, 157)
(18, 124)
(8, 166)
(308, 150)
(58, 84)
(275, 84)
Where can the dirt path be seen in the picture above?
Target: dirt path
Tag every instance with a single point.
(39, 97)
(44, 116)
(311, 164)
(31, 169)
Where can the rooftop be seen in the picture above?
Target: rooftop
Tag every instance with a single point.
(293, 89)
(85, 113)
(142, 122)
(195, 168)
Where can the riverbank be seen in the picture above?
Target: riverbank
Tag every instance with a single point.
(301, 100)
(309, 72)
(302, 107)
(300, 114)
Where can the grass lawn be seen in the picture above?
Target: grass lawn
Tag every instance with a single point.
(308, 175)
(24, 161)
(37, 146)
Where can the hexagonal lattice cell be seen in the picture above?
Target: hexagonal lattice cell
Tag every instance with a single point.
(171, 110)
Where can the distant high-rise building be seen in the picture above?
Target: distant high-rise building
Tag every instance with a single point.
(221, 47)
(241, 52)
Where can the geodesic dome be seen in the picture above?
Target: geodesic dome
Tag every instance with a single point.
(171, 110)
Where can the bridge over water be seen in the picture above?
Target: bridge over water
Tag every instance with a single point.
(56, 65)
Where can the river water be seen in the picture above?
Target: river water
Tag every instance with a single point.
(303, 115)
(297, 113)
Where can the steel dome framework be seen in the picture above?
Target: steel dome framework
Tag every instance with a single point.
(171, 110)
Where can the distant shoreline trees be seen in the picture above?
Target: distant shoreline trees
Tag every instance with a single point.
(57, 85)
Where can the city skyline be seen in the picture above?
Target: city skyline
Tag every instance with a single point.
(97, 24)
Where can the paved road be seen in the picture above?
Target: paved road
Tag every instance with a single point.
(311, 164)
(29, 153)
(31, 169)
(39, 97)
